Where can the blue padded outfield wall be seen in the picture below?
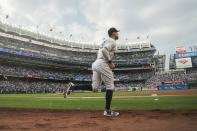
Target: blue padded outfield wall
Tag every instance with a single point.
(173, 87)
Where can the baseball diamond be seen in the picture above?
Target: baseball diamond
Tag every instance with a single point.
(121, 65)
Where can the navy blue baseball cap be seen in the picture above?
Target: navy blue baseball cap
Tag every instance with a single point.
(111, 30)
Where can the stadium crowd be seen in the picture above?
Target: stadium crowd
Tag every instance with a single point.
(171, 77)
(191, 75)
(64, 75)
(32, 72)
(162, 77)
(43, 73)
(40, 51)
(7, 86)
(126, 86)
(28, 48)
(30, 87)
(133, 76)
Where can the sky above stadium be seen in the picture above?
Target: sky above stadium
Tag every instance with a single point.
(168, 23)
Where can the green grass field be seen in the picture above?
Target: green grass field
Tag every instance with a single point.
(96, 101)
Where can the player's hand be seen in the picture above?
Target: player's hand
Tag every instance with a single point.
(111, 65)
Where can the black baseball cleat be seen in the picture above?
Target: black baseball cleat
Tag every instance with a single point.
(110, 113)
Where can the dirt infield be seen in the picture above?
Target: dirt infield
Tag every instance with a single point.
(20, 119)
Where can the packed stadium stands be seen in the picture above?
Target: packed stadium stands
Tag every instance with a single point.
(39, 51)
(59, 75)
(30, 55)
(30, 87)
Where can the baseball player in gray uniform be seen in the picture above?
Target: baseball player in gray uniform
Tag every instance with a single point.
(102, 69)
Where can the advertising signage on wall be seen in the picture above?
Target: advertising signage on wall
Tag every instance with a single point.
(183, 49)
(191, 54)
(183, 63)
(180, 50)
